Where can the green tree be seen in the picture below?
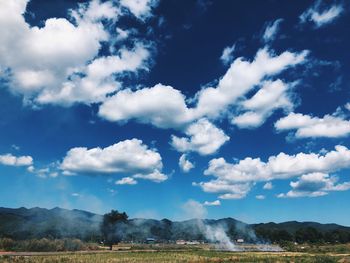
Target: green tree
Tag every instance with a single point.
(308, 234)
(112, 226)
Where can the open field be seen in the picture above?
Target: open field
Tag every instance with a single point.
(177, 254)
(180, 256)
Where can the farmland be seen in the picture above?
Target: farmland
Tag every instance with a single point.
(331, 253)
(181, 256)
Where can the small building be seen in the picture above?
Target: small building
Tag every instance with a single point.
(150, 240)
(193, 242)
(240, 240)
(180, 242)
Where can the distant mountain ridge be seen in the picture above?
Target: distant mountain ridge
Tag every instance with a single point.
(23, 223)
(293, 226)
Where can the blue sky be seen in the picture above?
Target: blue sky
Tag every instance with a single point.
(177, 109)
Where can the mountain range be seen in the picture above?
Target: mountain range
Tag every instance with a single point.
(23, 223)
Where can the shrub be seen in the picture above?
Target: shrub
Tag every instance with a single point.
(7, 244)
(45, 245)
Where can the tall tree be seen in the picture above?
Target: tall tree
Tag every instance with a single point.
(112, 226)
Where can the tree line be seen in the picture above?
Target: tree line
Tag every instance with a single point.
(303, 235)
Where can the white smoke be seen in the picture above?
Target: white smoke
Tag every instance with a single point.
(217, 235)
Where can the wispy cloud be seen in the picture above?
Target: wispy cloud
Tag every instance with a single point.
(271, 30)
(321, 16)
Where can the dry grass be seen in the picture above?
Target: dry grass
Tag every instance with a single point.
(180, 256)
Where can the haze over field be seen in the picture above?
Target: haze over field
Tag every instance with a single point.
(177, 109)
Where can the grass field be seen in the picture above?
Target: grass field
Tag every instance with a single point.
(179, 256)
(172, 253)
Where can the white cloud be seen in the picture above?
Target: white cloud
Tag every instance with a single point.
(235, 180)
(193, 209)
(42, 173)
(126, 180)
(226, 189)
(248, 120)
(129, 156)
(96, 10)
(260, 197)
(53, 174)
(48, 171)
(68, 70)
(214, 203)
(268, 186)
(242, 77)
(11, 160)
(166, 107)
(142, 9)
(162, 106)
(309, 126)
(347, 106)
(315, 184)
(281, 166)
(155, 176)
(185, 164)
(98, 80)
(122, 34)
(321, 17)
(271, 96)
(271, 30)
(203, 137)
(53, 63)
(227, 54)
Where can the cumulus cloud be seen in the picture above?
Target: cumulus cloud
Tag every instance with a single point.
(321, 16)
(280, 166)
(271, 96)
(162, 106)
(236, 180)
(126, 180)
(213, 203)
(166, 107)
(203, 137)
(315, 184)
(185, 164)
(308, 126)
(242, 77)
(58, 63)
(271, 30)
(98, 80)
(11, 160)
(126, 157)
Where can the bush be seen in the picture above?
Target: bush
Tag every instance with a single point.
(45, 245)
(325, 259)
(7, 244)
